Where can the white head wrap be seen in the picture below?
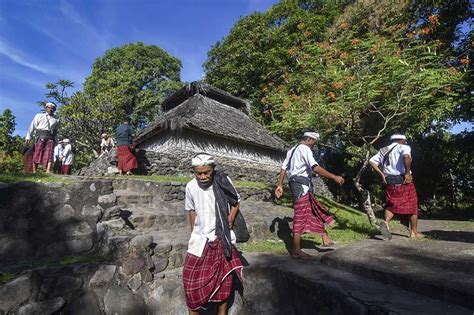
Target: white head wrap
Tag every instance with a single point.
(50, 104)
(66, 141)
(398, 136)
(312, 134)
(203, 159)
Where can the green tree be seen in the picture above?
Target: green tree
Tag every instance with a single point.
(137, 77)
(258, 52)
(377, 68)
(7, 127)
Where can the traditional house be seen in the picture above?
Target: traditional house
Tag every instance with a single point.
(202, 118)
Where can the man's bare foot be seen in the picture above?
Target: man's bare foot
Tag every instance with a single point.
(415, 235)
(300, 255)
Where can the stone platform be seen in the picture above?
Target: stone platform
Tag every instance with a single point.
(441, 266)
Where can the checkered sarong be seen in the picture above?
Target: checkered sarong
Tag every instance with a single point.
(401, 199)
(208, 278)
(310, 215)
(43, 152)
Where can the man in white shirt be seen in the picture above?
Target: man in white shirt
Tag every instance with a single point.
(44, 127)
(212, 204)
(66, 157)
(310, 215)
(393, 164)
(57, 157)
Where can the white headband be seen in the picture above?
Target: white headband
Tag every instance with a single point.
(50, 104)
(311, 134)
(203, 159)
(398, 137)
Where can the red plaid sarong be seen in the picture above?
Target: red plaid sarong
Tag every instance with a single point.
(208, 278)
(43, 152)
(66, 169)
(28, 163)
(126, 159)
(401, 199)
(310, 215)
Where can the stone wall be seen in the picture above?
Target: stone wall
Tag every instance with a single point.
(177, 163)
(50, 220)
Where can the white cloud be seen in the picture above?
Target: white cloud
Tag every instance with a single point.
(71, 14)
(17, 57)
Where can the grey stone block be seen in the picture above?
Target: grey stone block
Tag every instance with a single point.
(103, 275)
(121, 301)
(16, 292)
(44, 307)
(64, 213)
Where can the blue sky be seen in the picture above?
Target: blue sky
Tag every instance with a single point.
(43, 41)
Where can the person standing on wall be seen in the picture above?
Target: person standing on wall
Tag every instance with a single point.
(66, 157)
(126, 159)
(45, 128)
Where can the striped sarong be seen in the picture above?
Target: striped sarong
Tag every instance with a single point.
(43, 152)
(310, 215)
(209, 278)
(401, 199)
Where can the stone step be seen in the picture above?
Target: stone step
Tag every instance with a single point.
(281, 285)
(438, 269)
(153, 220)
(131, 199)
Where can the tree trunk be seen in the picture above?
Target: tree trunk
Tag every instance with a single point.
(364, 195)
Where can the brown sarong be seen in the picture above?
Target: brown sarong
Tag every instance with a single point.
(43, 152)
(310, 215)
(209, 278)
(401, 199)
(126, 159)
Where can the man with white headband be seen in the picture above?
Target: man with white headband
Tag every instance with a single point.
(212, 204)
(310, 215)
(393, 164)
(44, 127)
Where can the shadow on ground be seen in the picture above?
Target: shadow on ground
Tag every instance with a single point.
(453, 236)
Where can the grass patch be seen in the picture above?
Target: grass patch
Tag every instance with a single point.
(157, 178)
(6, 277)
(352, 226)
(186, 179)
(37, 178)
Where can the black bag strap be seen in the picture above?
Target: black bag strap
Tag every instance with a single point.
(385, 157)
(288, 167)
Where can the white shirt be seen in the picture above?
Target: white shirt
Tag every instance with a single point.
(57, 152)
(67, 154)
(204, 203)
(302, 162)
(395, 158)
(42, 121)
(107, 143)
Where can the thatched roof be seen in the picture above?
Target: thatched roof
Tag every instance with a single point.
(207, 90)
(208, 115)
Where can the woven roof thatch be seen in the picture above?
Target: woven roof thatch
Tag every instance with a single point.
(207, 90)
(204, 113)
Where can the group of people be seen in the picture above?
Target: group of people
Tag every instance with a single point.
(212, 204)
(42, 148)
